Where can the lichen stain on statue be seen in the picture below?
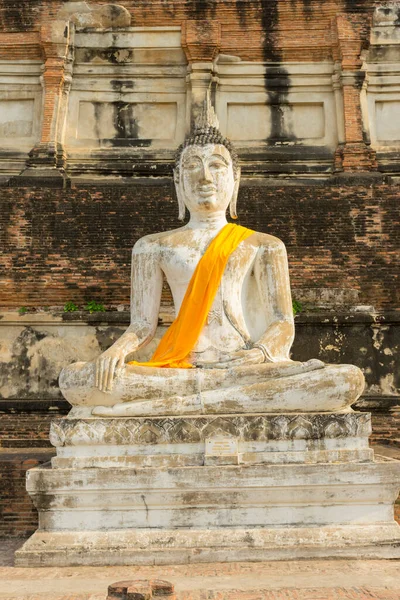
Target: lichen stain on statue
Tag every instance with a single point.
(241, 359)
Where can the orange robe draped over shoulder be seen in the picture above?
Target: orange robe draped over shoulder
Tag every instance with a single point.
(181, 337)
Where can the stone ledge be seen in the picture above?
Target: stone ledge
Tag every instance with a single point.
(175, 460)
(162, 430)
(14, 454)
(323, 317)
(168, 547)
(251, 177)
(171, 442)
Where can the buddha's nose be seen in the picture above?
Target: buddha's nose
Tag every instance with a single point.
(206, 173)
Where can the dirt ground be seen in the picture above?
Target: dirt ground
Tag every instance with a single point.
(280, 580)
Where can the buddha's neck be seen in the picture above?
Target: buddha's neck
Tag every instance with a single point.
(215, 220)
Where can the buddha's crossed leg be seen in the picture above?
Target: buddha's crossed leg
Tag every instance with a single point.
(271, 387)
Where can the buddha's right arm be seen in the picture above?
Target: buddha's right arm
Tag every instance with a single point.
(146, 287)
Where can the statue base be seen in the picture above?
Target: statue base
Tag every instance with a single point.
(173, 490)
(165, 442)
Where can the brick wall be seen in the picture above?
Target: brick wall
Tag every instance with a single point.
(18, 516)
(386, 427)
(24, 444)
(61, 245)
(296, 29)
(25, 429)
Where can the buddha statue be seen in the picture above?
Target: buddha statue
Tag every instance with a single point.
(239, 360)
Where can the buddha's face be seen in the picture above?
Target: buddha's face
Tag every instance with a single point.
(207, 179)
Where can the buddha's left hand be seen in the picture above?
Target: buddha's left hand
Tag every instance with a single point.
(254, 356)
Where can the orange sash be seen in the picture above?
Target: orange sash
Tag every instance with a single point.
(181, 337)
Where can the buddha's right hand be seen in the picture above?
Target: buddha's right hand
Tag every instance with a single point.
(107, 366)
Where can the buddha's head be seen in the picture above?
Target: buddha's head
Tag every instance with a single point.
(206, 170)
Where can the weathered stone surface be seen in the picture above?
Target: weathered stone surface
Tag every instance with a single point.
(382, 97)
(226, 439)
(298, 100)
(214, 513)
(159, 430)
(216, 545)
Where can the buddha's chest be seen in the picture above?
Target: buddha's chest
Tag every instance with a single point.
(179, 263)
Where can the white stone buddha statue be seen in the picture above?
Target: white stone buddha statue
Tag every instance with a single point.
(241, 360)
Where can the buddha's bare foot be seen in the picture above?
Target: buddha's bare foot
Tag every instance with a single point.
(124, 409)
(144, 408)
(103, 411)
(138, 408)
(312, 365)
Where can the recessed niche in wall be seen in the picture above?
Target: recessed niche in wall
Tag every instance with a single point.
(16, 118)
(255, 122)
(127, 121)
(387, 118)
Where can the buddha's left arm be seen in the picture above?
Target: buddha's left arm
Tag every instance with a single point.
(272, 276)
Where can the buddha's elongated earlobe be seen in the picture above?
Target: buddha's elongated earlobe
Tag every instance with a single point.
(181, 204)
(233, 202)
(182, 207)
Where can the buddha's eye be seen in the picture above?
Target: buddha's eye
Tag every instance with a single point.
(217, 164)
(191, 166)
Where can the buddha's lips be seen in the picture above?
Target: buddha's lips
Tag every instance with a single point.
(206, 190)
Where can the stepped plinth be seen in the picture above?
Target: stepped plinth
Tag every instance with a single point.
(168, 490)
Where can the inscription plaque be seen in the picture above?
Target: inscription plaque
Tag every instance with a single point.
(222, 446)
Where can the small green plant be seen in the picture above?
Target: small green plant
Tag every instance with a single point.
(297, 307)
(93, 306)
(70, 307)
(22, 310)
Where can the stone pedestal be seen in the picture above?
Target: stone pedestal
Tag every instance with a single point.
(209, 440)
(203, 489)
